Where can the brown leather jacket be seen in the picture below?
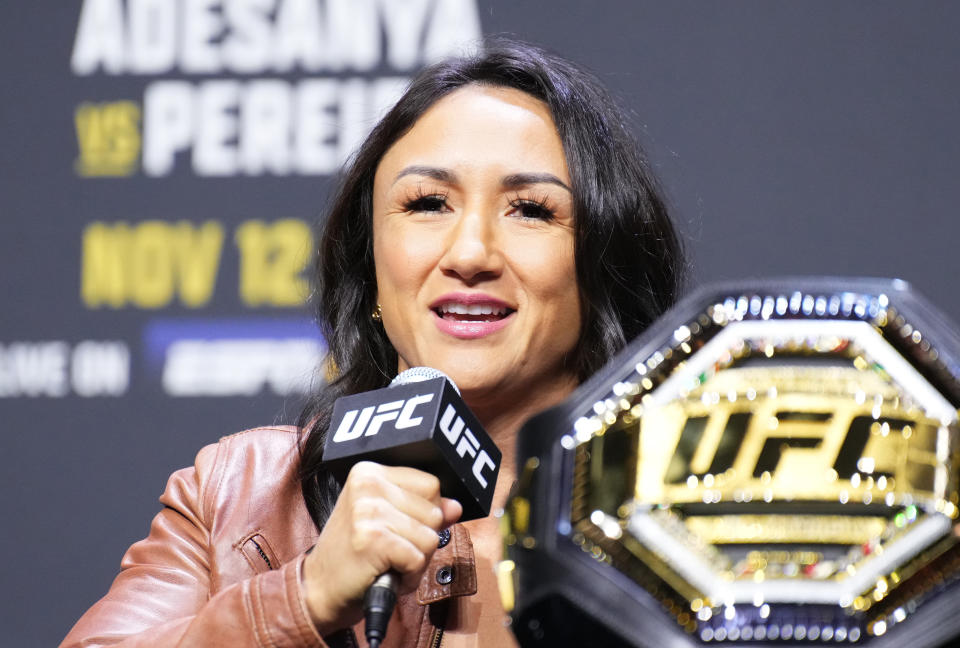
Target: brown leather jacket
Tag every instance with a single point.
(221, 566)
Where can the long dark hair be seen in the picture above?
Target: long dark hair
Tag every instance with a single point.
(628, 257)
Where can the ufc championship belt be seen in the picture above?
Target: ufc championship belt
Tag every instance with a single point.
(770, 463)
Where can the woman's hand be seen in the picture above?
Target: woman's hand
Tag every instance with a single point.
(386, 518)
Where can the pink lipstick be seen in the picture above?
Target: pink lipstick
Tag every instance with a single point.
(470, 316)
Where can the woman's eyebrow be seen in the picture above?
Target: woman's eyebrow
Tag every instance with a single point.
(509, 181)
(442, 175)
(522, 179)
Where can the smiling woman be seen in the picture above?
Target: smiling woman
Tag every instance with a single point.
(473, 238)
(499, 224)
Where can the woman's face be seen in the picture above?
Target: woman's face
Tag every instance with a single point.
(473, 236)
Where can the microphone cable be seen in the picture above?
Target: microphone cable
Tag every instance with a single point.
(378, 605)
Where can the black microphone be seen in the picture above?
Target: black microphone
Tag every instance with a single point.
(421, 422)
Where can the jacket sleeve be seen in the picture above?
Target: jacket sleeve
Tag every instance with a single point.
(162, 596)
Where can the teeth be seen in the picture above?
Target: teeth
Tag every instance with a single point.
(472, 309)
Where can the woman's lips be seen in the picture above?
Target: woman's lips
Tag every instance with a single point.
(470, 315)
(470, 329)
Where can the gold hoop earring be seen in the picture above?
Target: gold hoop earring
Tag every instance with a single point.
(377, 315)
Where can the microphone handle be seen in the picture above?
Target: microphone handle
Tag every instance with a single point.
(378, 607)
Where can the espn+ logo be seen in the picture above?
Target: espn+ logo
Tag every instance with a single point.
(369, 420)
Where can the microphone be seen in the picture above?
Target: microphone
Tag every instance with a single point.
(421, 422)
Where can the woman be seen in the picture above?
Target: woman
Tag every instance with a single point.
(499, 224)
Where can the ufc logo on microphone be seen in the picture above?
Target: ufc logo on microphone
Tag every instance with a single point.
(356, 423)
(455, 430)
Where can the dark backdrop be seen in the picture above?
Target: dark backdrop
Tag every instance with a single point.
(812, 138)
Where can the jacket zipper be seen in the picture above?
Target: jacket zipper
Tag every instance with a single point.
(436, 638)
(262, 553)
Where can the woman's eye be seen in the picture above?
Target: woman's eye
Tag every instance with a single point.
(427, 204)
(535, 210)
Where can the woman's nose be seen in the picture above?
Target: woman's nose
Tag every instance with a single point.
(472, 252)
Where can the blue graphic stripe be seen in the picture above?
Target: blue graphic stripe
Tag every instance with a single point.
(160, 333)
